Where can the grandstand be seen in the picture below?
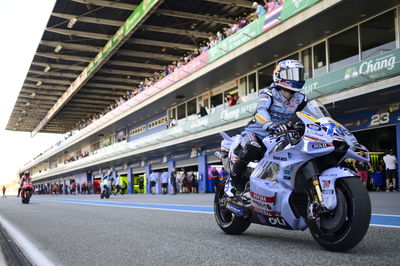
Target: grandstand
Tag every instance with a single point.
(124, 81)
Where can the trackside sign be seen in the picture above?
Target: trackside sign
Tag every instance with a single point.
(112, 45)
(366, 71)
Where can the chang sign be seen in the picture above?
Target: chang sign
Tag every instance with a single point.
(372, 69)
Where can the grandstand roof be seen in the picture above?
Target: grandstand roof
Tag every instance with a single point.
(78, 29)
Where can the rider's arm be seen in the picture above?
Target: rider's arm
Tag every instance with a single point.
(303, 104)
(262, 117)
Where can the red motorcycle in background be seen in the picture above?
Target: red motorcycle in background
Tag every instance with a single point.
(26, 192)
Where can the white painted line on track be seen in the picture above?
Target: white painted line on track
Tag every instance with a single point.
(390, 215)
(132, 207)
(382, 225)
(35, 255)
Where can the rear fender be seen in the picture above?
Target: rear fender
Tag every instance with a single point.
(327, 180)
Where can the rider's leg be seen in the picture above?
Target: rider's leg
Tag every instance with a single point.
(249, 150)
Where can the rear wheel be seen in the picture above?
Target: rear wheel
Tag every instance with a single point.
(226, 220)
(344, 227)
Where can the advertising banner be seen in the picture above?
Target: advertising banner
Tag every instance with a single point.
(292, 7)
(365, 71)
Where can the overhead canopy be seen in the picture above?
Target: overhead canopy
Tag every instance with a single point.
(79, 29)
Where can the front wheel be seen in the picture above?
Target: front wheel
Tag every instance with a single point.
(226, 220)
(344, 227)
(102, 194)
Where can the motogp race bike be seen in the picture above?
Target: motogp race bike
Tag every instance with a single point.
(26, 192)
(105, 186)
(298, 184)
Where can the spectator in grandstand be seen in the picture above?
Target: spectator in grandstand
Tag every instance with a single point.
(55, 189)
(215, 178)
(237, 99)
(271, 4)
(391, 170)
(212, 109)
(362, 169)
(194, 182)
(203, 111)
(230, 100)
(171, 122)
(179, 176)
(172, 180)
(73, 188)
(242, 22)
(164, 182)
(184, 181)
(260, 10)
(153, 181)
(220, 37)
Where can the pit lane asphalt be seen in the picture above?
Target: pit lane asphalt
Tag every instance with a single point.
(82, 234)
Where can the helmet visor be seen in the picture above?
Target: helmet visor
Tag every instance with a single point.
(294, 74)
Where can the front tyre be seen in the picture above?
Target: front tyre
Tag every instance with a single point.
(226, 220)
(344, 227)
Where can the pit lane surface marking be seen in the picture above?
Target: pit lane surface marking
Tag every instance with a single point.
(381, 220)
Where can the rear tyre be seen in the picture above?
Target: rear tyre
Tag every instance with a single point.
(226, 220)
(107, 195)
(347, 225)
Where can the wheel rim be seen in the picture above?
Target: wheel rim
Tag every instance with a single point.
(339, 232)
(223, 215)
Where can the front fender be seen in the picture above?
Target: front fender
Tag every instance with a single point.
(327, 180)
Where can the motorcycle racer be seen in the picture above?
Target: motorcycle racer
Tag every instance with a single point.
(25, 178)
(276, 104)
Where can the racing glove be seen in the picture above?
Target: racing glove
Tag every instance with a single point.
(277, 128)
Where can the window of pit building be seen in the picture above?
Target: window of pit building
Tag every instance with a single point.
(137, 130)
(157, 122)
(172, 113)
(319, 57)
(191, 107)
(265, 76)
(216, 100)
(306, 59)
(242, 86)
(252, 79)
(181, 110)
(95, 146)
(343, 49)
(378, 35)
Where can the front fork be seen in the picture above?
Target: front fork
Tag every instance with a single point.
(314, 191)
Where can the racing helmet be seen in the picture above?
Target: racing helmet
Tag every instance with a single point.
(289, 74)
